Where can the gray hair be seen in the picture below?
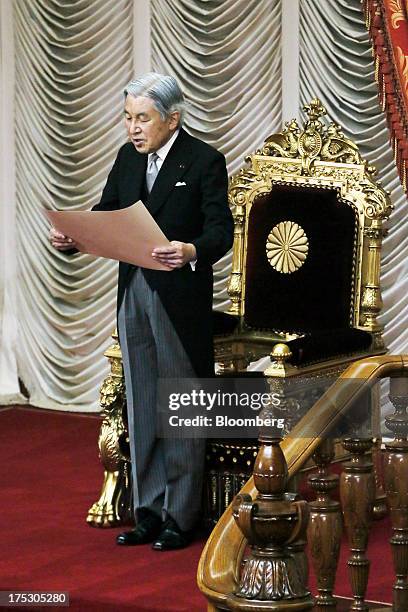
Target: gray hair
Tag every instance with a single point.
(162, 89)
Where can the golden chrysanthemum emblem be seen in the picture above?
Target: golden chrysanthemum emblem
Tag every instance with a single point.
(287, 247)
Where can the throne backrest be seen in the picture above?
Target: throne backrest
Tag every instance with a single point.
(300, 260)
(308, 231)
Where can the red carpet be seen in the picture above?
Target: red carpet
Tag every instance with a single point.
(50, 476)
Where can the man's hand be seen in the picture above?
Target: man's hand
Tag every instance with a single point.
(176, 255)
(60, 241)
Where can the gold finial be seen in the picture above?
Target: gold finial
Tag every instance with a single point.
(315, 109)
(281, 352)
(280, 355)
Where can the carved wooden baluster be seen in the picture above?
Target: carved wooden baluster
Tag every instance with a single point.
(298, 548)
(270, 579)
(396, 487)
(380, 509)
(357, 492)
(325, 527)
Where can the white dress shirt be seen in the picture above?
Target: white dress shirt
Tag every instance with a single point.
(163, 151)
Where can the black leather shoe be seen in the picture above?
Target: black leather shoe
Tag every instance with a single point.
(146, 530)
(172, 537)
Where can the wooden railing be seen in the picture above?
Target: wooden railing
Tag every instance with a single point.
(274, 523)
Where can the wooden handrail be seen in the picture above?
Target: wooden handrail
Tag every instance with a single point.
(220, 562)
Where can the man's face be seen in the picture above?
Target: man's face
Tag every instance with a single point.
(145, 127)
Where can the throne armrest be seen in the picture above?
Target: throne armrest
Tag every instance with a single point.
(319, 345)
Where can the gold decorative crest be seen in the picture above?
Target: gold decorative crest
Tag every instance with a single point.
(287, 247)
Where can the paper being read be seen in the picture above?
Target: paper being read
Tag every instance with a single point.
(129, 234)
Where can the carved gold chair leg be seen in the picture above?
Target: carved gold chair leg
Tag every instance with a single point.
(102, 513)
(396, 485)
(357, 493)
(110, 508)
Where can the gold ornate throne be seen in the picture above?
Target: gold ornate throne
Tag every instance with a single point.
(305, 279)
(306, 260)
(304, 289)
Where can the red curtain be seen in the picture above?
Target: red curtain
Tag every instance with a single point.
(387, 22)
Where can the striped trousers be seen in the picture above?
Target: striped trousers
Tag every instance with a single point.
(167, 473)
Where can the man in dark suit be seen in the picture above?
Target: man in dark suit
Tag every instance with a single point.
(164, 317)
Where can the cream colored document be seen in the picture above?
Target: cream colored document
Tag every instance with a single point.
(129, 234)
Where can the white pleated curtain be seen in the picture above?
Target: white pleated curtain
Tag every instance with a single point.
(72, 61)
(221, 53)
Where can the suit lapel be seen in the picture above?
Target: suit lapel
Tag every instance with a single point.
(135, 178)
(174, 166)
